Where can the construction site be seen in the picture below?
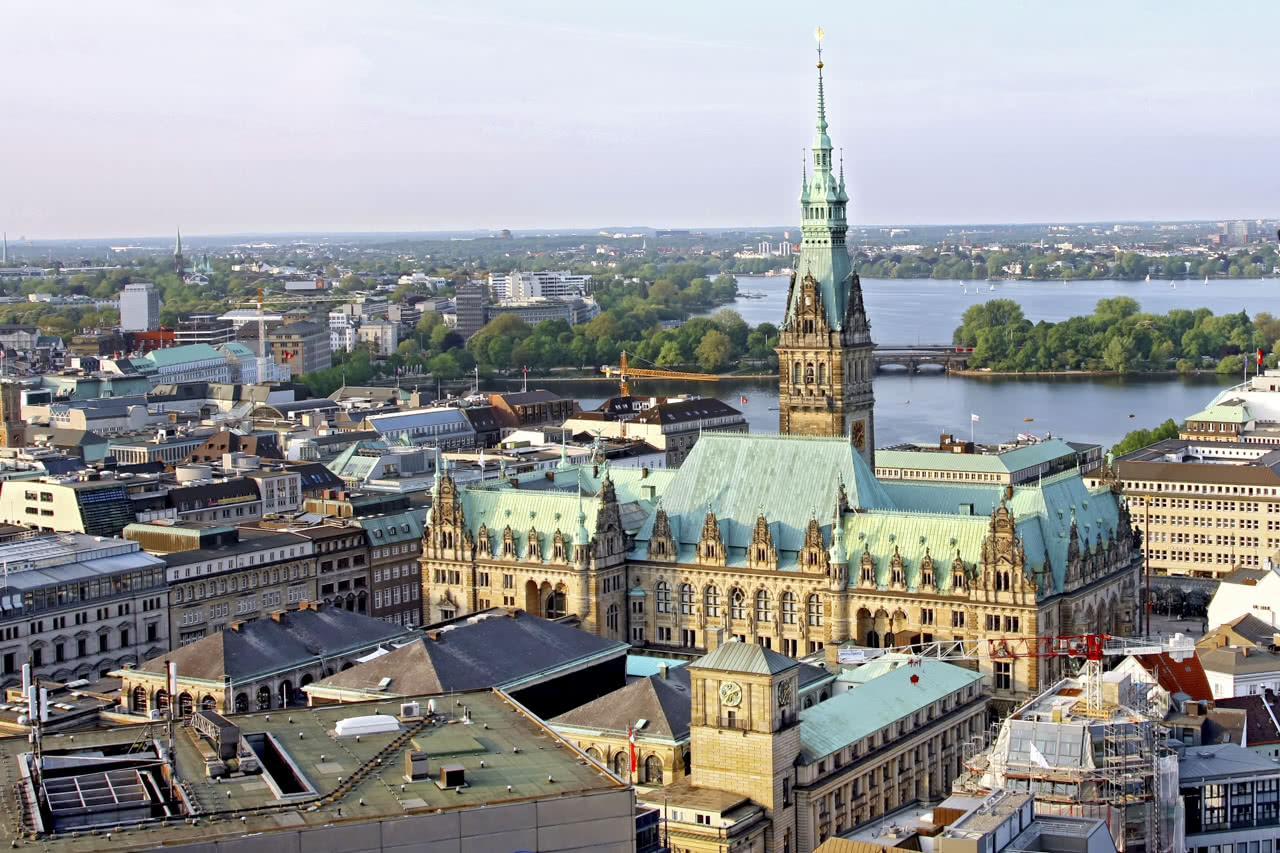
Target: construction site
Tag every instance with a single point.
(1090, 746)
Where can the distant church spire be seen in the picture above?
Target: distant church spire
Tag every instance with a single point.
(178, 265)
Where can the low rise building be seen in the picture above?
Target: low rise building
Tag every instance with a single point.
(1252, 592)
(444, 427)
(517, 410)
(76, 606)
(303, 347)
(472, 771)
(382, 338)
(1205, 508)
(671, 424)
(1240, 658)
(1013, 464)
(203, 329)
(219, 574)
(190, 363)
(548, 666)
(1230, 798)
(99, 507)
(395, 543)
(257, 665)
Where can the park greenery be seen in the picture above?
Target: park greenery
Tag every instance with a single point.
(1117, 337)
(1140, 438)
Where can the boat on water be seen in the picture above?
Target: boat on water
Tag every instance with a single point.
(1147, 280)
(1028, 420)
(966, 289)
(1206, 281)
(1174, 285)
(992, 288)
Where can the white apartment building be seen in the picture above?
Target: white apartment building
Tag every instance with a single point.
(538, 285)
(342, 331)
(139, 308)
(384, 337)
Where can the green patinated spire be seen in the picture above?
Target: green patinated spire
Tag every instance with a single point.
(581, 536)
(177, 246)
(822, 251)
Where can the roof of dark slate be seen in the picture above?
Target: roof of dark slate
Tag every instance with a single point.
(737, 656)
(525, 398)
(490, 649)
(316, 476)
(1253, 629)
(663, 702)
(1262, 716)
(213, 491)
(266, 645)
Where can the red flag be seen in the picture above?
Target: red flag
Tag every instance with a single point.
(631, 740)
(1259, 356)
(744, 399)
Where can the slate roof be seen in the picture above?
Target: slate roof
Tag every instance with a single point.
(1178, 676)
(1262, 716)
(663, 702)
(736, 656)
(1017, 459)
(1224, 759)
(686, 411)
(314, 475)
(1253, 629)
(464, 655)
(265, 645)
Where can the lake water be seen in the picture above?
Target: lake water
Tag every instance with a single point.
(918, 407)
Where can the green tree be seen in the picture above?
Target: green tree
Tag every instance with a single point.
(1118, 355)
(714, 351)
(1141, 438)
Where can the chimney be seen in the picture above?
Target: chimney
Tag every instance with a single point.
(1008, 493)
(236, 626)
(277, 616)
(435, 635)
(662, 671)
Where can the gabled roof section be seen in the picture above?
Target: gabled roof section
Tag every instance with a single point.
(1185, 676)
(1253, 629)
(663, 702)
(736, 656)
(267, 645)
(173, 356)
(790, 479)
(1228, 413)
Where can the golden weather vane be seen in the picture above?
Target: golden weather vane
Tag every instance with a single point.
(817, 35)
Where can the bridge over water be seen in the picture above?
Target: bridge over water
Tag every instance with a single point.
(914, 356)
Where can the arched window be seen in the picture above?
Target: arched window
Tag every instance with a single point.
(737, 604)
(653, 770)
(808, 374)
(899, 575)
(611, 617)
(593, 752)
(185, 703)
(662, 597)
(162, 699)
(621, 765)
(795, 374)
(242, 703)
(208, 703)
(140, 699)
(764, 607)
(712, 600)
(264, 698)
(789, 608)
(814, 608)
(686, 599)
(822, 372)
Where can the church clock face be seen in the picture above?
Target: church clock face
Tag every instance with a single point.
(784, 694)
(730, 694)
(859, 434)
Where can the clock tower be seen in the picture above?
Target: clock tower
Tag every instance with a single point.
(745, 730)
(824, 347)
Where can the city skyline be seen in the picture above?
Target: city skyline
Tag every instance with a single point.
(247, 120)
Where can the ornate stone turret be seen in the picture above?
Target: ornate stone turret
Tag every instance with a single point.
(760, 553)
(662, 545)
(711, 551)
(813, 557)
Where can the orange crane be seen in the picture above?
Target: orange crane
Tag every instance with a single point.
(625, 373)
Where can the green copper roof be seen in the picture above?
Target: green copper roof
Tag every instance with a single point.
(1013, 460)
(736, 656)
(173, 356)
(1224, 413)
(866, 709)
(912, 536)
(788, 479)
(522, 510)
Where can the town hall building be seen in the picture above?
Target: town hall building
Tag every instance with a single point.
(790, 542)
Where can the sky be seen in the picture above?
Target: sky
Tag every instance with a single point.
(132, 118)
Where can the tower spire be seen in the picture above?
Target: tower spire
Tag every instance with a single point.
(822, 106)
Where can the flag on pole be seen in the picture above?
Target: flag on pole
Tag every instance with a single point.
(1038, 757)
(973, 418)
(631, 742)
(744, 399)
(1259, 356)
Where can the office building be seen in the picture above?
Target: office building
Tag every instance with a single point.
(382, 338)
(521, 286)
(395, 543)
(470, 306)
(444, 427)
(671, 424)
(204, 329)
(302, 347)
(139, 308)
(219, 574)
(78, 606)
(1230, 799)
(191, 363)
(97, 507)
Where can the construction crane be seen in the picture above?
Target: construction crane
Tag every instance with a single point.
(625, 373)
(1091, 648)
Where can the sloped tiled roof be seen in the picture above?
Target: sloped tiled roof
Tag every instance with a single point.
(172, 356)
(735, 656)
(265, 645)
(494, 650)
(1262, 716)
(663, 702)
(1253, 629)
(1178, 676)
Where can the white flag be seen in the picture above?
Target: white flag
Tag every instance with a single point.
(972, 416)
(1038, 757)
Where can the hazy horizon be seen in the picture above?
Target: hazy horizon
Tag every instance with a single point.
(392, 117)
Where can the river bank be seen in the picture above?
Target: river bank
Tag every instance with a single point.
(980, 373)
